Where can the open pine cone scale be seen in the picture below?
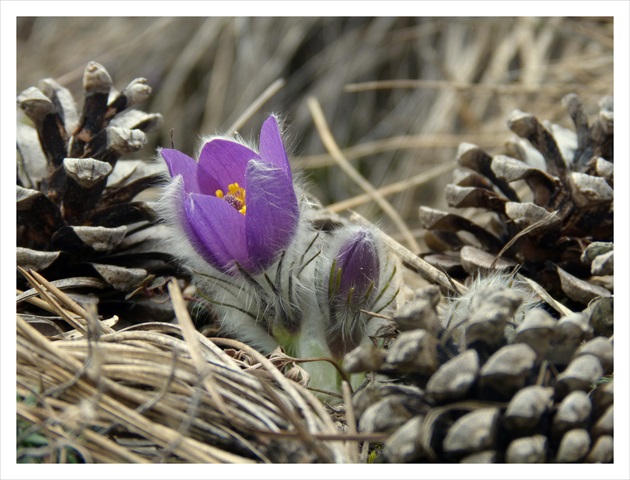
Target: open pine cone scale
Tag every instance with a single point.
(77, 204)
(546, 201)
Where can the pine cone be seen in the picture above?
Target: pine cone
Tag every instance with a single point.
(77, 213)
(470, 386)
(492, 376)
(548, 199)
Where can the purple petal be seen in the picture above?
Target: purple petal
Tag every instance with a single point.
(181, 164)
(271, 147)
(272, 212)
(223, 162)
(218, 231)
(359, 263)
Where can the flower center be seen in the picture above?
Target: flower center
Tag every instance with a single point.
(235, 197)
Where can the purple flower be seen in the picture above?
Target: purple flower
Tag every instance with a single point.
(354, 277)
(238, 206)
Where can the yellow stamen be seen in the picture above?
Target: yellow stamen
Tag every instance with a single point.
(235, 197)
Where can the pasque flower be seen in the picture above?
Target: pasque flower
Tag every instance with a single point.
(261, 262)
(238, 206)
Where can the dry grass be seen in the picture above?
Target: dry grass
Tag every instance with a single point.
(399, 94)
(386, 101)
(162, 392)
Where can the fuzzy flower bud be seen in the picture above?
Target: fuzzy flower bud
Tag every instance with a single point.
(354, 274)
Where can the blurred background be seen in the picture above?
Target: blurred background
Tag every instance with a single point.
(399, 94)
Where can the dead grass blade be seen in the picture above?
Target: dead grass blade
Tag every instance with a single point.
(160, 392)
(392, 188)
(355, 176)
(424, 268)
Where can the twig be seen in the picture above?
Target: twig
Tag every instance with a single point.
(190, 337)
(403, 142)
(424, 268)
(346, 166)
(269, 92)
(353, 450)
(395, 187)
(462, 86)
